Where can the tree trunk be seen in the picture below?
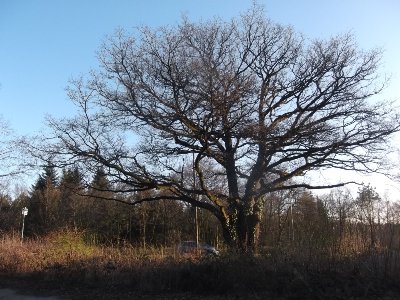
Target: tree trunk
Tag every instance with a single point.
(248, 234)
(253, 233)
(242, 232)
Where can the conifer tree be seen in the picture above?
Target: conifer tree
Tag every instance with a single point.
(71, 199)
(44, 201)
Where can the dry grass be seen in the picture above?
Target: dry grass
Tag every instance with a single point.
(64, 259)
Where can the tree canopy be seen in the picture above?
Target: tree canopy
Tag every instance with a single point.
(8, 158)
(249, 105)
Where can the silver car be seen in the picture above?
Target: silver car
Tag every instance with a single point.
(191, 247)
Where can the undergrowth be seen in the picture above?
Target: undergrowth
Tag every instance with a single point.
(64, 258)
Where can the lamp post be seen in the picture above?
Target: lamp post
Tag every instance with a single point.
(24, 213)
(196, 219)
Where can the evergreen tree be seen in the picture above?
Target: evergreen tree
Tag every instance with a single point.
(101, 215)
(71, 200)
(5, 205)
(100, 184)
(44, 201)
(48, 177)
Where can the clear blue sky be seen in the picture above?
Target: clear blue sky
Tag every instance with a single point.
(44, 43)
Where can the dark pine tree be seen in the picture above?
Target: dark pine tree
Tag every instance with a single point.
(43, 204)
(71, 199)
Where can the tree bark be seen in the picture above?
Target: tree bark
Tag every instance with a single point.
(247, 233)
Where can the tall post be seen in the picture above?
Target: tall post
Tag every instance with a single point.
(196, 221)
(24, 213)
(197, 226)
(291, 216)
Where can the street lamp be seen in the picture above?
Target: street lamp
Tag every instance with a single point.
(24, 213)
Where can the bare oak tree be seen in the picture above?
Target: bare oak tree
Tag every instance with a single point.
(253, 104)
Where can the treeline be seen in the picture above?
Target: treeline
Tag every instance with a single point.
(336, 224)
(66, 201)
(293, 220)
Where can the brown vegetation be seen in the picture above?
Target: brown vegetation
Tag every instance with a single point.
(327, 247)
(64, 261)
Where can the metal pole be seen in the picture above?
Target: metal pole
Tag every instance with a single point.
(23, 226)
(24, 213)
(197, 227)
(195, 212)
(291, 214)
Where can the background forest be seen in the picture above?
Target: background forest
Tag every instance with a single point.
(293, 221)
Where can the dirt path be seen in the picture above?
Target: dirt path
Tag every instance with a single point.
(9, 294)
